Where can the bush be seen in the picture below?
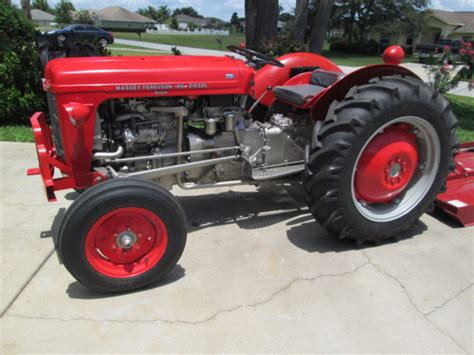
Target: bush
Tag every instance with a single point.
(282, 44)
(370, 47)
(21, 93)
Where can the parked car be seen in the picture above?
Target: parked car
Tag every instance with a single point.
(80, 33)
(427, 52)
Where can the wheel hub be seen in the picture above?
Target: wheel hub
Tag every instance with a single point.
(126, 240)
(387, 165)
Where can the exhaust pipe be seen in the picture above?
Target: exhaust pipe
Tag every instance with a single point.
(109, 155)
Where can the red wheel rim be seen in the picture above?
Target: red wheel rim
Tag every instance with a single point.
(387, 165)
(126, 242)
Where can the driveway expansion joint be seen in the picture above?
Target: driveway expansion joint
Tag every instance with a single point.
(412, 302)
(278, 292)
(40, 266)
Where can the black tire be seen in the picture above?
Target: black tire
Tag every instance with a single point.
(96, 202)
(103, 42)
(337, 143)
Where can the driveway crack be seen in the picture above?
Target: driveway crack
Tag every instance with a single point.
(449, 299)
(212, 316)
(412, 302)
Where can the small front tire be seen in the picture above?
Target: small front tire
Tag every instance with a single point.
(122, 235)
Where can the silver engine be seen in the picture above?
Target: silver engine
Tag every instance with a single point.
(224, 142)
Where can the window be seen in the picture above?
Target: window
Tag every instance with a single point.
(409, 40)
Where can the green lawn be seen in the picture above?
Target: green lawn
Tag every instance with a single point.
(16, 134)
(462, 106)
(125, 52)
(115, 46)
(198, 41)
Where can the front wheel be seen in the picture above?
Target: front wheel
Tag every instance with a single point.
(122, 235)
(380, 158)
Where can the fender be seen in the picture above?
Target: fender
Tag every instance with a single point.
(274, 76)
(320, 104)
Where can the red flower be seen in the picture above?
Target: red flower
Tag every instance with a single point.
(446, 48)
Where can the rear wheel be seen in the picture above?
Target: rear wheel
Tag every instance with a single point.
(103, 42)
(122, 235)
(380, 158)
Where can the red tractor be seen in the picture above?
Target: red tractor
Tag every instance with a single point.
(371, 148)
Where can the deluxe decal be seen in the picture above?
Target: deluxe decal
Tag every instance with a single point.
(160, 87)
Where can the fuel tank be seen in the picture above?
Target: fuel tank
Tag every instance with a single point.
(150, 75)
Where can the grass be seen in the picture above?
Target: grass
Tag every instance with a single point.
(463, 108)
(197, 41)
(116, 46)
(125, 52)
(16, 134)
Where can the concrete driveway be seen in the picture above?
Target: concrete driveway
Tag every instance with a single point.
(258, 274)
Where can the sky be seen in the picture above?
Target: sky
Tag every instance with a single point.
(223, 9)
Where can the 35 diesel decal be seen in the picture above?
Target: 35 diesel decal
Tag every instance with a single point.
(159, 87)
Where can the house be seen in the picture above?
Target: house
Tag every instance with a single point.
(185, 20)
(116, 18)
(458, 25)
(42, 18)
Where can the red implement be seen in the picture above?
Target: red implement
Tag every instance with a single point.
(458, 200)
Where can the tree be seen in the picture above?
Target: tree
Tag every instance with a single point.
(20, 69)
(301, 20)
(234, 20)
(163, 14)
(25, 5)
(174, 25)
(286, 17)
(85, 17)
(41, 5)
(358, 17)
(149, 12)
(320, 25)
(63, 11)
(192, 26)
(261, 20)
(187, 10)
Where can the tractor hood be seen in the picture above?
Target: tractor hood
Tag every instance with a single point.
(158, 75)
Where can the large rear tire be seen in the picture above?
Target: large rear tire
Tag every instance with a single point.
(122, 235)
(380, 158)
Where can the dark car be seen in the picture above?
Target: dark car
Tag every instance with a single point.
(80, 33)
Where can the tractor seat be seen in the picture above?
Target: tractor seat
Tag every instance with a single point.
(299, 94)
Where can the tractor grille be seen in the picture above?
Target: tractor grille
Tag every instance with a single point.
(55, 125)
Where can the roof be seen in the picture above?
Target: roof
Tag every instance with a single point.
(38, 15)
(189, 19)
(463, 19)
(117, 13)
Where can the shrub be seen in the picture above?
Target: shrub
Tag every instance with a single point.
(282, 44)
(370, 47)
(21, 93)
(444, 76)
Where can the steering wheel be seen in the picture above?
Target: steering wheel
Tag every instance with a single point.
(255, 57)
